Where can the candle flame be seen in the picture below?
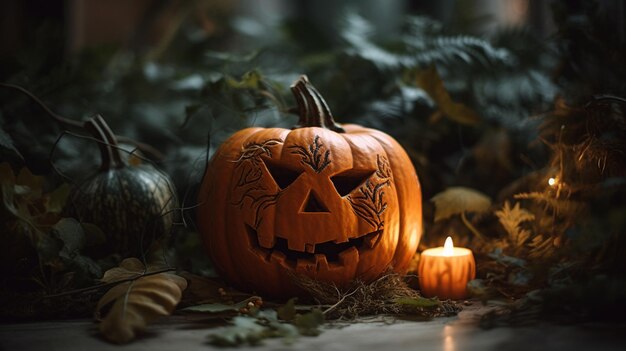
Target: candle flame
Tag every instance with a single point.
(448, 247)
(551, 181)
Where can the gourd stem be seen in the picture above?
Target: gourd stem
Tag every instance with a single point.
(312, 109)
(111, 141)
(105, 151)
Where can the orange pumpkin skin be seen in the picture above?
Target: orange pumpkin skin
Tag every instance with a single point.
(333, 206)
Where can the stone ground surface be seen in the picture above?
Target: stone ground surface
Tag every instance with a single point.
(447, 334)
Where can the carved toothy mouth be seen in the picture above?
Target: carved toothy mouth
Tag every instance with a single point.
(330, 251)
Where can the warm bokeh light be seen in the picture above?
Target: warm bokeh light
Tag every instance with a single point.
(551, 181)
(448, 247)
(448, 341)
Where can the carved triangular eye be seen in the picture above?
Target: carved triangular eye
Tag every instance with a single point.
(283, 176)
(314, 204)
(349, 180)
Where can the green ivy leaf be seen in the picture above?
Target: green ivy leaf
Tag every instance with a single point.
(244, 330)
(308, 324)
(71, 236)
(265, 324)
(253, 330)
(478, 288)
(505, 259)
(288, 312)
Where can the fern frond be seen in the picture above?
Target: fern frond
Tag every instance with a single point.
(511, 219)
(510, 98)
(422, 45)
(541, 247)
(562, 207)
(460, 49)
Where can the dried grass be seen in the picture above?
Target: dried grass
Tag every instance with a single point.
(381, 296)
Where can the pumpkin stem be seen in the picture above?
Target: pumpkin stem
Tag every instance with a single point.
(111, 142)
(109, 152)
(312, 108)
(105, 152)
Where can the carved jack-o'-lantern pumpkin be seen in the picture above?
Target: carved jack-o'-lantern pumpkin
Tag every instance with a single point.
(334, 203)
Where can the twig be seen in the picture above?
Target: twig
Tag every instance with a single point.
(148, 149)
(87, 137)
(58, 118)
(471, 227)
(343, 298)
(101, 286)
(71, 123)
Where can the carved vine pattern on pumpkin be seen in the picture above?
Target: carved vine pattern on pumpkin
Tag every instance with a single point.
(313, 156)
(370, 203)
(248, 172)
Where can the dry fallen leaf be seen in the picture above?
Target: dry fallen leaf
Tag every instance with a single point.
(456, 200)
(135, 303)
(431, 82)
(129, 268)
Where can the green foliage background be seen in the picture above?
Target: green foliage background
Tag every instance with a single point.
(499, 114)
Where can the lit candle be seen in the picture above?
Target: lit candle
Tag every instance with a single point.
(445, 271)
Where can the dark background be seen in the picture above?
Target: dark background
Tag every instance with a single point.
(139, 25)
(546, 81)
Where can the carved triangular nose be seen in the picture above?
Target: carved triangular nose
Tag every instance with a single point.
(314, 204)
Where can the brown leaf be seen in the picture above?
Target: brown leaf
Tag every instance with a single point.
(55, 200)
(34, 183)
(129, 268)
(23, 197)
(456, 200)
(134, 304)
(6, 174)
(431, 82)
